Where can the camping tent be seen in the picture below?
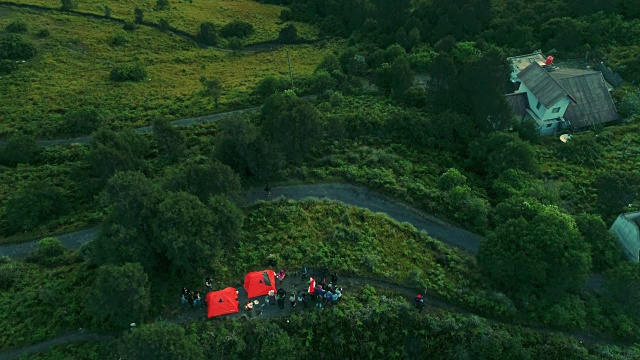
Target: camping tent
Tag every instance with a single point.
(259, 283)
(222, 302)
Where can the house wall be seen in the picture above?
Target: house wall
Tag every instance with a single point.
(628, 234)
(543, 113)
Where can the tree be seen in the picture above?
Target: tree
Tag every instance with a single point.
(110, 151)
(499, 152)
(160, 341)
(401, 77)
(583, 149)
(212, 88)
(126, 235)
(138, 15)
(184, 233)
(50, 252)
(17, 26)
(82, 121)
(329, 63)
(541, 254)
(605, 251)
(33, 205)
(617, 189)
(232, 145)
(162, 4)
(237, 28)
(20, 149)
(623, 284)
(292, 124)
(270, 85)
(203, 180)
(68, 5)
(450, 179)
(235, 44)
(288, 35)
(169, 140)
(207, 34)
(322, 81)
(228, 220)
(15, 47)
(128, 72)
(121, 295)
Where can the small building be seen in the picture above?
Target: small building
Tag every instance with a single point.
(559, 99)
(626, 229)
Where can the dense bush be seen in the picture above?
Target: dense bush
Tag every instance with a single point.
(82, 121)
(207, 34)
(20, 149)
(162, 4)
(288, 35)
(128, 72)
(17, 26)
(15, 47)
(271, 85)
(7, 67)
(161, 342)
(119, 39)
(50, 252)
(43, 33)
(68, 5)
(237, 28)
(32, 206)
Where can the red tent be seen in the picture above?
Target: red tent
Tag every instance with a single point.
(259, 283)
(222, 302)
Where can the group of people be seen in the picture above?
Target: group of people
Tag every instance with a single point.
(194, 297)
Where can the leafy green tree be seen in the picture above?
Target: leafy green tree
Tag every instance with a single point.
(329, 63)
(83, 121)
(450, 179)
(233, 143)
(128, 72)
(163, 24)
(160, 341)
(623, 284)
(203, 180)
(126, 235)
(110, 151)
(162, 4)
(630, 105)
(270, 85)
(401, 77)
(288, 35)
(15, 47)
(528, 130)
(499, 152)
(50, 252)
(542, 253)
(121, 295)
(517, 183)
(169, 140)
(451, 131)
(17, 26)
(605, 251)
(212, 88)
(68, 5)
(207, 34)
(185, 235)
(617, 189)
(322, 81)
(228, 220)
(237, 28)
(138, 15)
(33, 205)
(292, 124)
(235, 44)
(20, 149)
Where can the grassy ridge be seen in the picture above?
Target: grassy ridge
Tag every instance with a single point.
(187, 16)
(73, 65)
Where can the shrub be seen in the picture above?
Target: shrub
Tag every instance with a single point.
(270, 85)
(14, 47)
(82, 121)
(138, 15)
(288, 35)
(9, 275)
(43, 33)
(162, 4)
(7, 67)
(68, 5)
(119, 39)
(17, 26)
(20, 149)
(128, 72)
(34, 205)
(107, 11)
(50, 252)
(207, 34)
(163, 24)
(237, 28)
(235, 44)
(129, 26)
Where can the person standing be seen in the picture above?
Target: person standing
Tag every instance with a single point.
(318, 299)
(419, 302)
(292, 300)
(303, 272)
(312, 286)
(335, 297)
(281, 298)
(325, 271)
(304, 300)
(267, 189)
(328, 297)
(281, 276)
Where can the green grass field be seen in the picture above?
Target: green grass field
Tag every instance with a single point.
(73, 64)
(187, 16)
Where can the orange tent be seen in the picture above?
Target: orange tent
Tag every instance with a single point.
(259, 283)
(222, 302)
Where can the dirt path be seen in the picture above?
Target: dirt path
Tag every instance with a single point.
(294, 283)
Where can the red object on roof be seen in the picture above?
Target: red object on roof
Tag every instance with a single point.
(549, 60)
(222, 302)
(259, 283)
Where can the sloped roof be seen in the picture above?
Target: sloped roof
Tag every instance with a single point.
(519, 102)
(522, 61)
(593, 103)
(545, 88)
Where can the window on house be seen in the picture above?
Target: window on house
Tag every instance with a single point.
(549, 125)
(538, 106)
(555, 110)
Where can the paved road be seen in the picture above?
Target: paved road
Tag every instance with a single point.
(348, 194)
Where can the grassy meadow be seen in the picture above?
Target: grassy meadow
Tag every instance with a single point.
(72, 66)
(187, 16)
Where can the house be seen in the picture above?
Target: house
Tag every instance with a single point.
(626, 229)
(559, 99)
